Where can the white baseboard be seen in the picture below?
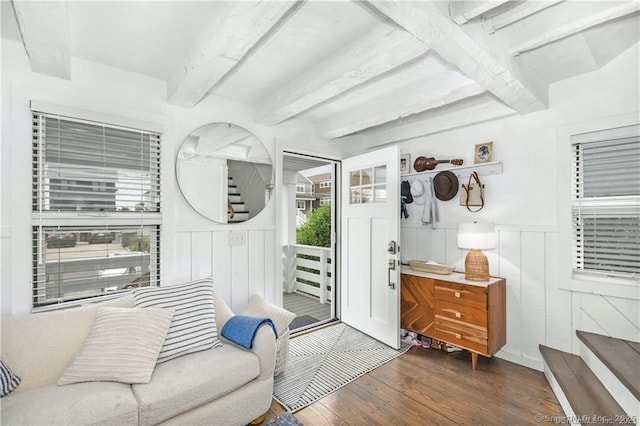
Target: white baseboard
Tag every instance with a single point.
(520, 359)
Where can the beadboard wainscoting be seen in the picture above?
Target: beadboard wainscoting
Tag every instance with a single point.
(241, 261)
(538, 312)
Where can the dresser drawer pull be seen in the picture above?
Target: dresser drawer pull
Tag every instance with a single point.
(458, 336)
(458, 315)
(457, 294)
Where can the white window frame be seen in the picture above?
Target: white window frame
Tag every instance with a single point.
(324, 201)
(300, 188)
(623, 287)
(304, 204)
(325, 184)
(45, 218)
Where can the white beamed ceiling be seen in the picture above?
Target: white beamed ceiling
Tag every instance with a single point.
(380, 71)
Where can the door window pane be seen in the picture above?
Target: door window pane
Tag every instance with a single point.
(368, 185)
(366, 177)
(367, 195)
(355, 179)
(355, 196)
(380, 175)
(380, 194)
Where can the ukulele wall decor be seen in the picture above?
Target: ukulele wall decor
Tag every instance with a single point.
(423, 163)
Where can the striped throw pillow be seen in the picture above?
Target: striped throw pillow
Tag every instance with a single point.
(123, 346)
(8, 380)
(193, 327)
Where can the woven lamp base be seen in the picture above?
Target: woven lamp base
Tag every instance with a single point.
(476, 266)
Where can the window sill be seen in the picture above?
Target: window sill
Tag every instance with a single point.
(625, 288)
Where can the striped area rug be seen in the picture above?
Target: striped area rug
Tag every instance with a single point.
(325, 360)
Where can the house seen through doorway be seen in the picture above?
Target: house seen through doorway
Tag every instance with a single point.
(308, 253)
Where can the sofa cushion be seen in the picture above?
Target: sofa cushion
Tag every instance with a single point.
(81, 403)
(123, 346)
(31, 342)
(8, 380)
(193, 380)
(193, 327)
(258, 307)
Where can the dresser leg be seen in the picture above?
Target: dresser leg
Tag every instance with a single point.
(474, 360)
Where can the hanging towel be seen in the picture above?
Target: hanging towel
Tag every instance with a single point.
(242, 329)
(430, 212)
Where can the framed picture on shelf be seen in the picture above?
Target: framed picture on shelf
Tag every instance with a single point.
(405, 164)
(483, 153)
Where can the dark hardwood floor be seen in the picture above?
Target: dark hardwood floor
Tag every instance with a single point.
(430, 386)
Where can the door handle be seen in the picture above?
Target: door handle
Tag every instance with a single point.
(391, 267)
(392, 247)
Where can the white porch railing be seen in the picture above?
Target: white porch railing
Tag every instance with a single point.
(307, 271)
(301, 218)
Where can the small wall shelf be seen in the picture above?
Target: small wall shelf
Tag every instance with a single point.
(462, 172)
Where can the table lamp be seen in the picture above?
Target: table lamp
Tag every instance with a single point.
(476, 236)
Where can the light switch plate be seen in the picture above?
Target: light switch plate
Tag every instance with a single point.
(237, 238)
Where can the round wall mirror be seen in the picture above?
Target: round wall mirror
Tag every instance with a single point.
(224, 172)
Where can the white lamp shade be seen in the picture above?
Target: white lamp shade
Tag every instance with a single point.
(474, 235)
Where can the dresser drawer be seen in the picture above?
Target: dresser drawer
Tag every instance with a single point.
(460, 312)
(461, 294)
(461, 334)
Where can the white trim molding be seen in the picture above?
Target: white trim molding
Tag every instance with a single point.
(567, 280)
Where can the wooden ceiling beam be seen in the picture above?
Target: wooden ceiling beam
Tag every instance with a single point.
(521, 11)
(463, 11)
(502, 77)
(44, 27)
(381, 50)
(218, 52)
(565, 31)
(477, 110)
(414, 99)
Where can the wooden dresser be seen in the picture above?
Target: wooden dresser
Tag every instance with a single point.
(467, 314)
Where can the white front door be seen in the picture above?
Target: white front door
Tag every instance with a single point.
(370, 274)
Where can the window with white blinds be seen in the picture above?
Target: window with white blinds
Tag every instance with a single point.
(96, 209)
(606, 203)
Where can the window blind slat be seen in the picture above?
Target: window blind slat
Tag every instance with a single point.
(606, 206)
(93, 167)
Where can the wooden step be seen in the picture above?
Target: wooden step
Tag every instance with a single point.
(622, 357)
(616, 362)
(239, 217)
(586, 395)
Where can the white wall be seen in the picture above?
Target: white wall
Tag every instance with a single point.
(523, 203)
(192, 246)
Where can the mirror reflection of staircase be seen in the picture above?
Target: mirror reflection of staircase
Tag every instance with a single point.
(599, 386)
(237, 211)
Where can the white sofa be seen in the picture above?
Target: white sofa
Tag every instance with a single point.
(227, 385)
